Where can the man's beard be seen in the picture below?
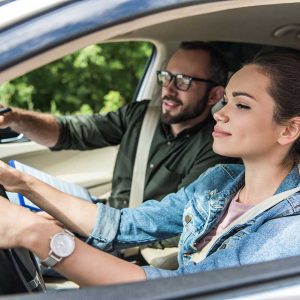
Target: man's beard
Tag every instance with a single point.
(188, 113)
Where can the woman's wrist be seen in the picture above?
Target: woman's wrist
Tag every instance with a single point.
(36, 235)
(26, 184)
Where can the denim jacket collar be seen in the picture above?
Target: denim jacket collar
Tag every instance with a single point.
(229, 179)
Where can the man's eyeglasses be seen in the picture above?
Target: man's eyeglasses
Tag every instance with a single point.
(182, 82)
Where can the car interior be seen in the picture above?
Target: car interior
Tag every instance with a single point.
(239, 29)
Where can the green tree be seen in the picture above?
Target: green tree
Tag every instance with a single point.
(96, 78)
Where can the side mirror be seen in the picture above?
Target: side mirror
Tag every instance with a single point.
(9, 136)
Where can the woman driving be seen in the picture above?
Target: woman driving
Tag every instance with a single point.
(259, 122)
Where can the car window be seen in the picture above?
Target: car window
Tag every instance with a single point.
(98, 78)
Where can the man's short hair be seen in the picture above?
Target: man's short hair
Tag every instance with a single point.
(218, 65)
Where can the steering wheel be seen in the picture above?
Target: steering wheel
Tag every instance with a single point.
(19, 272)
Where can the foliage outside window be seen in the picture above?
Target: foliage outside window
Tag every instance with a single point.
(98, 78)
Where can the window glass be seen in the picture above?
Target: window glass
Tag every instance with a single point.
(98, 78)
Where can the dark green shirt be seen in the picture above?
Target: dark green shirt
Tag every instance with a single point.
(173, 162)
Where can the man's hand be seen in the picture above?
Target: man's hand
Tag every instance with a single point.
(39, 127)
(6, 117)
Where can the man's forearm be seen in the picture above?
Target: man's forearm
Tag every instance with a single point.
(39, 127)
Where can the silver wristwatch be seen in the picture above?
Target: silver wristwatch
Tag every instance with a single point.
(62, 245)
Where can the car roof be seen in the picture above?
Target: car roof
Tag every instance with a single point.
(51, 27)
(15, 11)
(262, 22)
(86, 22)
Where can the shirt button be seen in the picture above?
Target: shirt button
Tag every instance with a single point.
(151, 166)
(187, 135)
(188, 218)
(223, 246)
(169, 143)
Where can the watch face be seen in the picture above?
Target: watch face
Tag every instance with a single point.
(62, 244)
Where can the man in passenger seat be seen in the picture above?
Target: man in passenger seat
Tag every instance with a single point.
(192, 82)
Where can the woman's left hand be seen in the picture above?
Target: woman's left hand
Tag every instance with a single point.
(14, 220)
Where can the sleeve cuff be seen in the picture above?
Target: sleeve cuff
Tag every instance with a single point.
(58, 145)
(106, 227)
(154, 273)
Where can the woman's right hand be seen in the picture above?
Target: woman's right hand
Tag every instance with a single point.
(12, 179)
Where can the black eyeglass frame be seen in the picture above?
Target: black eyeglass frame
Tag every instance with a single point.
(175, 76)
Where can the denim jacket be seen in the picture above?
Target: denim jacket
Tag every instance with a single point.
(193, 212)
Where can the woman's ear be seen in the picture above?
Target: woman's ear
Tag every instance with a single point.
(290, 132)
(215, 95)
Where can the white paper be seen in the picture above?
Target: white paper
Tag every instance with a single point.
(62, 185)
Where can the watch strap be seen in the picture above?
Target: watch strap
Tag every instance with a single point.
(53, 259)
